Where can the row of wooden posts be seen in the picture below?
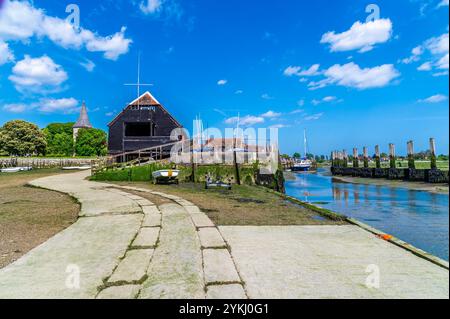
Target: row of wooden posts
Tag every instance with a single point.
(340, 158)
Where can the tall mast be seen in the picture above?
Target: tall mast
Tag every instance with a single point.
(138, 84)
(305, 142)
(139, 77)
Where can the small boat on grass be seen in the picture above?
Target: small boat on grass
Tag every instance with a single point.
(76, 168)
(166, 176)
(15, 169)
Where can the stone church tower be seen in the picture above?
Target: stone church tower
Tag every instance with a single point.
(83, 122)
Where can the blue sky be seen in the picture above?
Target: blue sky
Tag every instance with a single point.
(315, 65)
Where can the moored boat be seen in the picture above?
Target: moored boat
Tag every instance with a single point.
(166, 176)
(15, 169)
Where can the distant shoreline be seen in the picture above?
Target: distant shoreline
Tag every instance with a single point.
(442, 189)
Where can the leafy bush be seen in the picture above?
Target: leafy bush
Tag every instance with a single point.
(91, 142)
(59, 138)
(21, 138)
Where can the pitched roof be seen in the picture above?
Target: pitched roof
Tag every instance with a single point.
(83, 119)
(145, 99)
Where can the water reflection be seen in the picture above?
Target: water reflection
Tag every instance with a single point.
(420, 218)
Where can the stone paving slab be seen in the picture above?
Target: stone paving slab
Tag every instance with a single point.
(233, 291)
(175, 271)
(153, 220)
(151, 210)
(120, 292)
(133, 268)
(328, 262)
(184, 202)
(219, 267)
(211, 238)
(147, 237)
(201, 220)
(91, 246)
(145, 202)
(192, 209)
(134, 197)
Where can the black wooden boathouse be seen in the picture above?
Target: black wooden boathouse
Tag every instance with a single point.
(143, 124)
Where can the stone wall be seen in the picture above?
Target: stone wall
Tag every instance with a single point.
(43, 162)
(416, 175)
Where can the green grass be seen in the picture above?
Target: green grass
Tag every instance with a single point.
(144, 173)
(244, 205)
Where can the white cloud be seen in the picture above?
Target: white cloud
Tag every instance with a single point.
(438, 54)
(271, 114)
(88, 65)
(151, 6)
(313, 117)
(438, 45)
(266, 96)
(351, 75)
(239, 92)
(301, 102)
(222, 82)
(416, 53)
(427, 66)
(443, 3)
(297, 71)
(112, 46)
(21, 21)
(361, 36)
(435, 99)
(6, 54)
(15, 108)
(297, 111)
(246, 120)
(37, 74)
(443, 62)
(445, 73)
(312, 71)
(279, 126)
(65, 105)
(292, 70)
(329, 98)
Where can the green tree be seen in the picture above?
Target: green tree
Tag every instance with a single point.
(91, 142)
(21, 138)
(297, 155)
(59, 138)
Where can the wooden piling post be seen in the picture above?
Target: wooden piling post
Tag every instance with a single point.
(411, 163)
(366, 157)
(377, 156)
(392, 155)
(433, 153)
(355, 158)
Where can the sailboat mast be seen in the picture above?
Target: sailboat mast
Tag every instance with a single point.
(305, 143)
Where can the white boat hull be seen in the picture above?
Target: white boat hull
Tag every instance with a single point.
(15, 169)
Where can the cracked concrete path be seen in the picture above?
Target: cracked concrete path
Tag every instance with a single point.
(176, 269)
(94, 198)
(329, 262)
(124, 246)
(91, 247)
